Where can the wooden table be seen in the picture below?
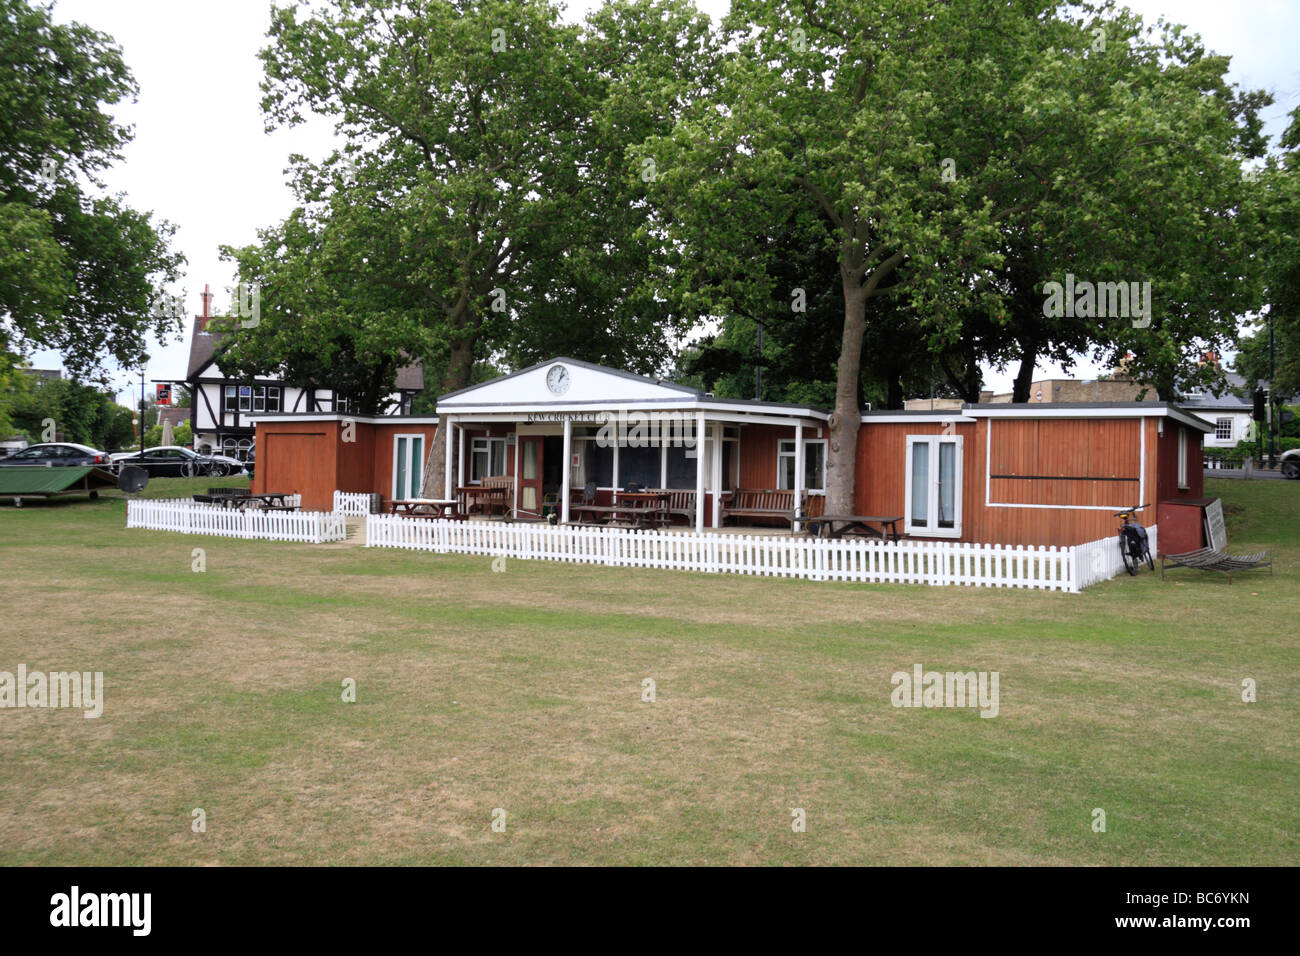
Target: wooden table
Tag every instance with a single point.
(495, 494)
(641, 508)
(274, 501)
(236, 501)
(837, 526)
(432, 507)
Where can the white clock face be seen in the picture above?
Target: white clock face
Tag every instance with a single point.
(557, 379)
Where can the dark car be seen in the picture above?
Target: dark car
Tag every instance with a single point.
(173, 461)
(55, 454)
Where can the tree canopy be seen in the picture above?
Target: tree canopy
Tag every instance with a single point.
(79, 273)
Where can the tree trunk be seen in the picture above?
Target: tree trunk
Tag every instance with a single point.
(459, 364)
(1025, 375)
(894, 390)
(842, 449)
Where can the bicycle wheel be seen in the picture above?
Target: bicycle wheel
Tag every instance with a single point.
(217, 469)
(1129, 564)
(1151, 564)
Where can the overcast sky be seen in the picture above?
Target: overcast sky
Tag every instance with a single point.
(201, 159)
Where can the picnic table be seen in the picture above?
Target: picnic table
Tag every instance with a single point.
(239, 498)
(274, 501)
(425, 507)
(641, 508)
(637, 509)
(837, 526)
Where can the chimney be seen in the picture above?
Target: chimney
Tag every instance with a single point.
(207, 307)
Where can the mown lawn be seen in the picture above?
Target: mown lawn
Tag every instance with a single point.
(521, 690)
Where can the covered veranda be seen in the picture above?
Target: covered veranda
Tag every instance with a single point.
(575, 453)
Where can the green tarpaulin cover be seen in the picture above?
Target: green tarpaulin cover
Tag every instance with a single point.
(38, 480)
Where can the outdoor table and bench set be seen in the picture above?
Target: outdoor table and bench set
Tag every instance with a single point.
(241, 498)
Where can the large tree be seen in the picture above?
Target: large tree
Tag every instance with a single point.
(1279, 203)
(962, 154)
(79, 273)
(483, 206)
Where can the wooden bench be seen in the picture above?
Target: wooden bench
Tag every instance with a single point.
(681, 502)
(761, 503)
(489, 495)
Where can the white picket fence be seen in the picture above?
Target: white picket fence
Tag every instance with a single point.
(906, 562)
(191, 517)
(351, 503)
(1101, 560)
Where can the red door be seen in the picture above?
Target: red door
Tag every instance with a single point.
(530, 476)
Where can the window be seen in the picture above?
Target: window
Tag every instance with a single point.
(814, 468)
(266, 398)
(598, 463)
(345, 405)
(933, 481)
(1223, 429)
(1182, 458)
(487, 458)
(408, 465)
(251, 398)
(639, 465)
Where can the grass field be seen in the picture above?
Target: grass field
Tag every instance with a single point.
(521, 690)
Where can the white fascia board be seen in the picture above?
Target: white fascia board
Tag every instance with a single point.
(1067, 411)
(339, 417)
(714, 411)
(936, 418)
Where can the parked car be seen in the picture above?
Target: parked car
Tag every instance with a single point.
(1290, 463)
(173, 461)
(56, 454)
(252, 460)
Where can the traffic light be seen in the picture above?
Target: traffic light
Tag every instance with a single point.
(1259, 412)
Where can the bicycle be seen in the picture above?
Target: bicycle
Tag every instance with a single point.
(1133, 544)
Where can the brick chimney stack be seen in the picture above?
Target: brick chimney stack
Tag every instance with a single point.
(207, 307)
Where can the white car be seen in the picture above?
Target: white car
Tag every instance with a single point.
(1290, 463)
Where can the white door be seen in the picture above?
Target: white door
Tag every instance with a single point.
(408, 465)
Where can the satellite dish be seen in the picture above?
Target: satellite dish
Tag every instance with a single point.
(132, 479)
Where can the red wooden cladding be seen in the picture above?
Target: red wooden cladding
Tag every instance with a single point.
(1041, 481)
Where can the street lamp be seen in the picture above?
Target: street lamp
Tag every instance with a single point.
(142, 410)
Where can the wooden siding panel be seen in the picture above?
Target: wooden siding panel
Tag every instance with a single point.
(1035, 451)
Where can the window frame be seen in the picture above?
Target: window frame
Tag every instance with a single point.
(1182, 459)
(931, 529)
(416, 460)
(1219, 424)
(486, 449)
(793, 453)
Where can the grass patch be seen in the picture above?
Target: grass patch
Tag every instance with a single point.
(522, 690)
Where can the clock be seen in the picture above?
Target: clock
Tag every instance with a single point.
(557, 379)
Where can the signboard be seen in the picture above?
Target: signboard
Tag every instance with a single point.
(164, 394)
(1215, 532)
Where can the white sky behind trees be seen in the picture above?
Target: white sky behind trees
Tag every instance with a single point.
(202, 160)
